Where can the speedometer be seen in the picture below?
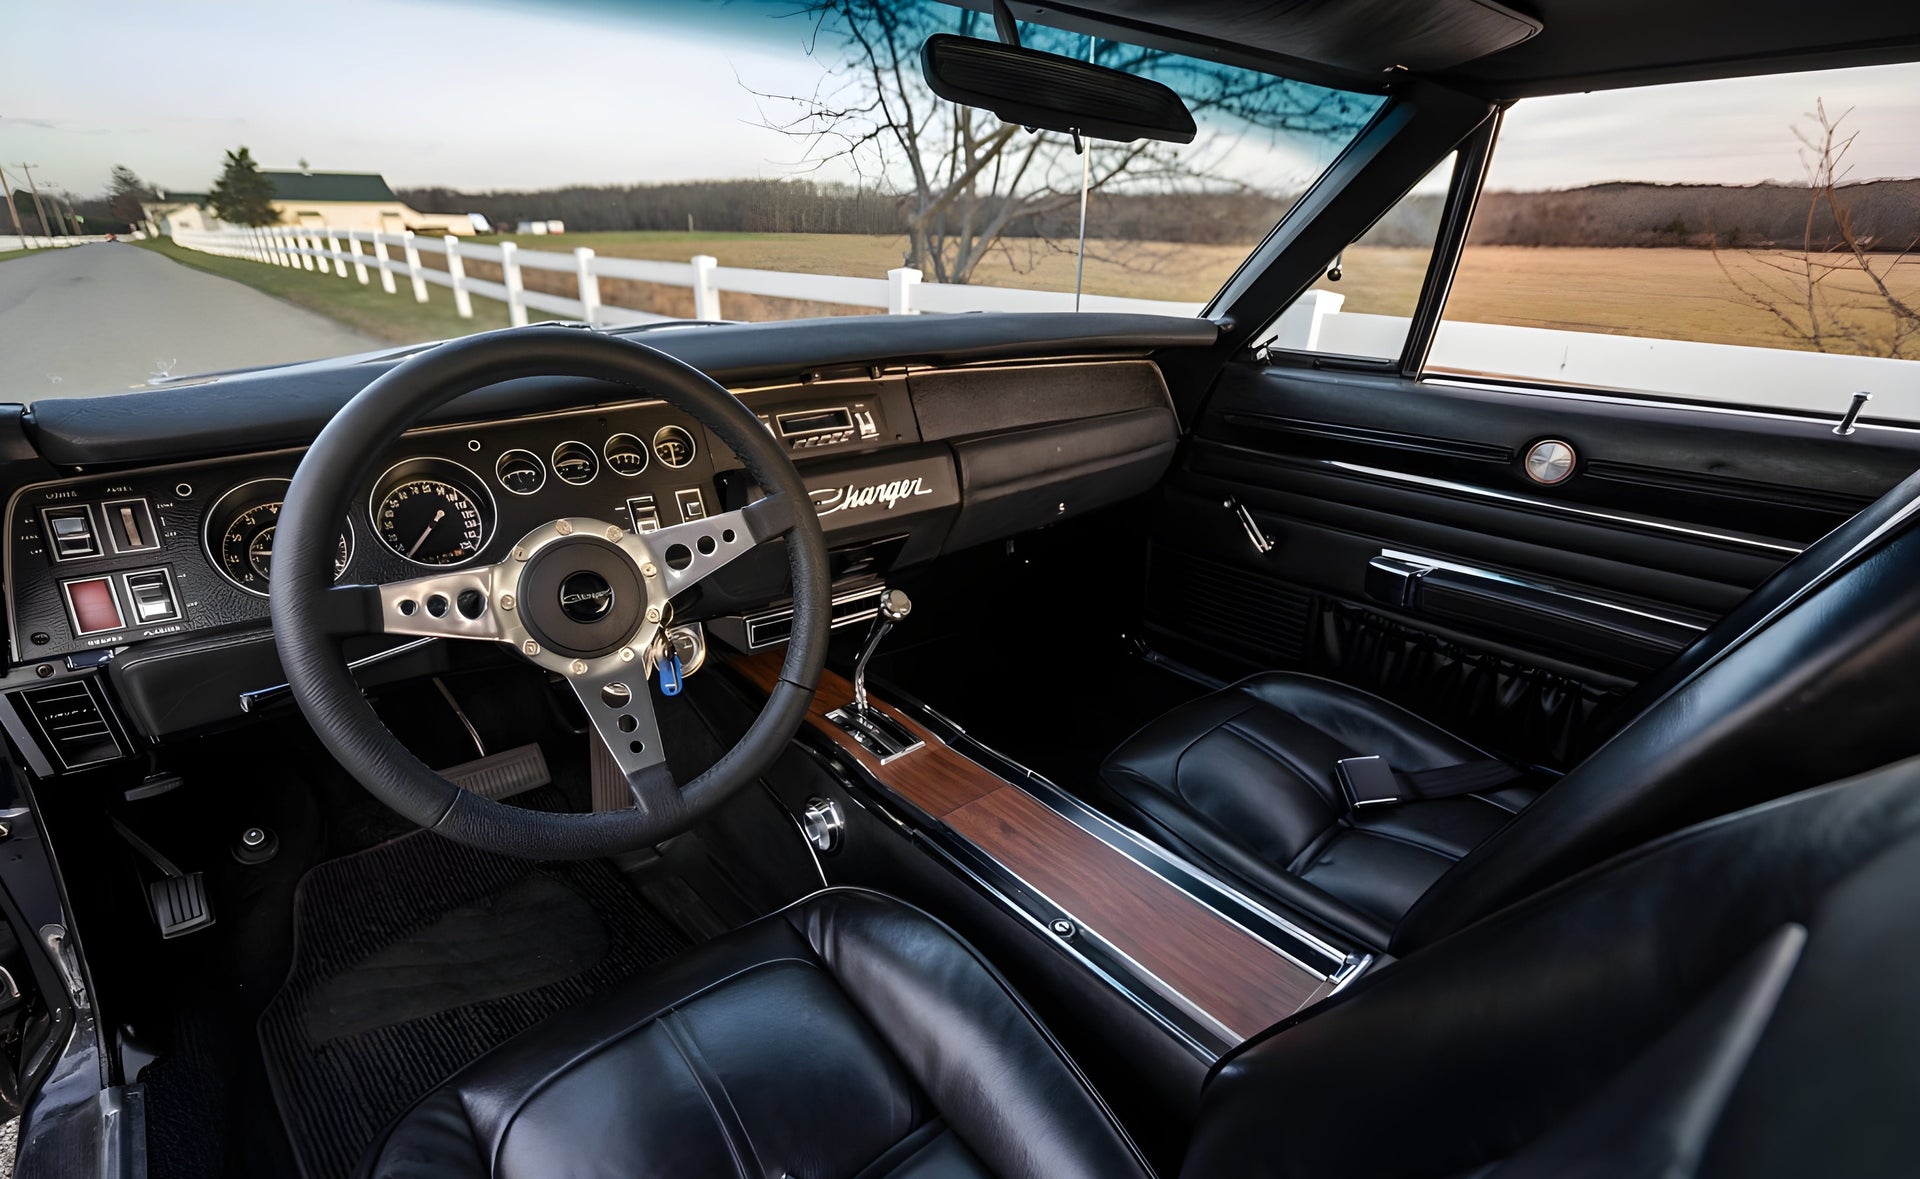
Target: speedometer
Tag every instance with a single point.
(432, 512)
(239, 535)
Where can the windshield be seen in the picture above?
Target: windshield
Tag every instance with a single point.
(198, 192)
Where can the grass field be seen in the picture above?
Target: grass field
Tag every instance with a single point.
(1678, 294)
(1667, 293)
(367, 309)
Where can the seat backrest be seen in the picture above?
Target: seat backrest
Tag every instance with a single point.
(1815, 676)
(1739, 999)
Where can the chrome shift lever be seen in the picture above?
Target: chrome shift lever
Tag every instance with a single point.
(895, 605)
(875, 731)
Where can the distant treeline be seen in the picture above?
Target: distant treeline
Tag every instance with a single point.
(1886, 213)
(789, 206)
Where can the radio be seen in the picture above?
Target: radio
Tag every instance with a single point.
(823, 425)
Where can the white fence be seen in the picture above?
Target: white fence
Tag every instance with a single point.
(396, 257)
(1773, 378)
(11, 242)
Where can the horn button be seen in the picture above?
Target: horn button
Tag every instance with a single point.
(582, 597)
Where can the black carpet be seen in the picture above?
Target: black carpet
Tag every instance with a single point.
(413, 958)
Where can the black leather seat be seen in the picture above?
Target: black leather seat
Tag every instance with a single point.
(1243, 779)
(1807, 679)
(1737, 1000)
(847, 1035)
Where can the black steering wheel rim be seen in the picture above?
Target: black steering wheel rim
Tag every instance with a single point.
(309, 627)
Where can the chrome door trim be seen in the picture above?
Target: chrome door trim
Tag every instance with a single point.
(1509, 579)
(1773, 548)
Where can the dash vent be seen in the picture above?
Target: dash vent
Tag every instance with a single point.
(72, 723)
(1261, 619)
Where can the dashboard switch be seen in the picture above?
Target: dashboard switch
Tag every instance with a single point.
(130, 526)
(150, 591)
(91, 605)
(645, 513)
(70, 533)
(692, 505)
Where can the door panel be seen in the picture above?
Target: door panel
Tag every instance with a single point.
(1538, 606)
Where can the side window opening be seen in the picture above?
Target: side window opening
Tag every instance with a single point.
(1753, 242)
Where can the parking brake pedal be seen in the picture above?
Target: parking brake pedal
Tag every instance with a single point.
(501, 775)
(178, 899)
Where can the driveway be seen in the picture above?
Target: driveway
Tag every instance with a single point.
(100, 318)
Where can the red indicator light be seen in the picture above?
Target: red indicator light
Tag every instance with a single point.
(93, 604)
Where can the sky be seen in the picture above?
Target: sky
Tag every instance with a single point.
(541, 93)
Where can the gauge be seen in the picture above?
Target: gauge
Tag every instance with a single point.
(239, 535)
(575, 462)
(521, 472)
(673, 445)
(432, 511)
(626, 455)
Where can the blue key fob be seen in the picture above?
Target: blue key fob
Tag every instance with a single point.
(670, 679)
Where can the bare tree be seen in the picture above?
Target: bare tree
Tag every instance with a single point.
(966, 180)
(1835, 293)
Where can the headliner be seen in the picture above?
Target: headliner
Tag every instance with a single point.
(1518, 48)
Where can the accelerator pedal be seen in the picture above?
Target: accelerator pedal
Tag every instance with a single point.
(502, 775)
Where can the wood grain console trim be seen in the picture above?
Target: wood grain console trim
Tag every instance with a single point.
(1187, 952)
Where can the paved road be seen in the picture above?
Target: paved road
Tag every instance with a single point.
(97, 318)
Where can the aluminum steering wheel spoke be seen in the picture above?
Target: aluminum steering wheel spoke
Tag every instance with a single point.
(691, 552)
(619, 704)
(454, 604)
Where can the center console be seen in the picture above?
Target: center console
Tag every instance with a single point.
(1210, 967)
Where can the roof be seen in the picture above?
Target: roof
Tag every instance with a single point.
(356, 187)
(169, 197)
(1507, 48)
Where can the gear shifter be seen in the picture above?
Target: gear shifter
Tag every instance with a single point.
(895, 605)
(878, 733)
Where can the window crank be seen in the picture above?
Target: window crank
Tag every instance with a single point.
(1260, 542)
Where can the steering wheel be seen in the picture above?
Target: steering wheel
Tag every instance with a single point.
(583, 598)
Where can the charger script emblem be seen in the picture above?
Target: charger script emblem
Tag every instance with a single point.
(828, 500)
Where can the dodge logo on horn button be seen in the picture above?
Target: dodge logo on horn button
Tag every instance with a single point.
(585, 596)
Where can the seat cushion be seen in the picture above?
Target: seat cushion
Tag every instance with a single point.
(848, 1035)
(1244, 779)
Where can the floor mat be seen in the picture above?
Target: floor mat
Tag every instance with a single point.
(413, 958)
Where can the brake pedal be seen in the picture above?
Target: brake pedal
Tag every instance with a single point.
(178, 899)
(502, 775)
(180, 904)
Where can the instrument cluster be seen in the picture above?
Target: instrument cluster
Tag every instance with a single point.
(196, 540)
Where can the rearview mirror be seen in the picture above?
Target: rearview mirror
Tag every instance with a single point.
(1053, 93)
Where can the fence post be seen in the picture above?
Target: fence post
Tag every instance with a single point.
(259, 244)
(413, 267)
(386, 261)
(457, 271)
(339, 259)
(706, 300)
(510, 275)
(284, 245)
(900, 284)
(589, 286)
(304, 245)
(1298, 327)
(359, 259)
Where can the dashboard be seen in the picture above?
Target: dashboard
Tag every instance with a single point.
(137, 597)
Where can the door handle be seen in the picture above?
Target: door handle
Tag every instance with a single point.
(1260, 542)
